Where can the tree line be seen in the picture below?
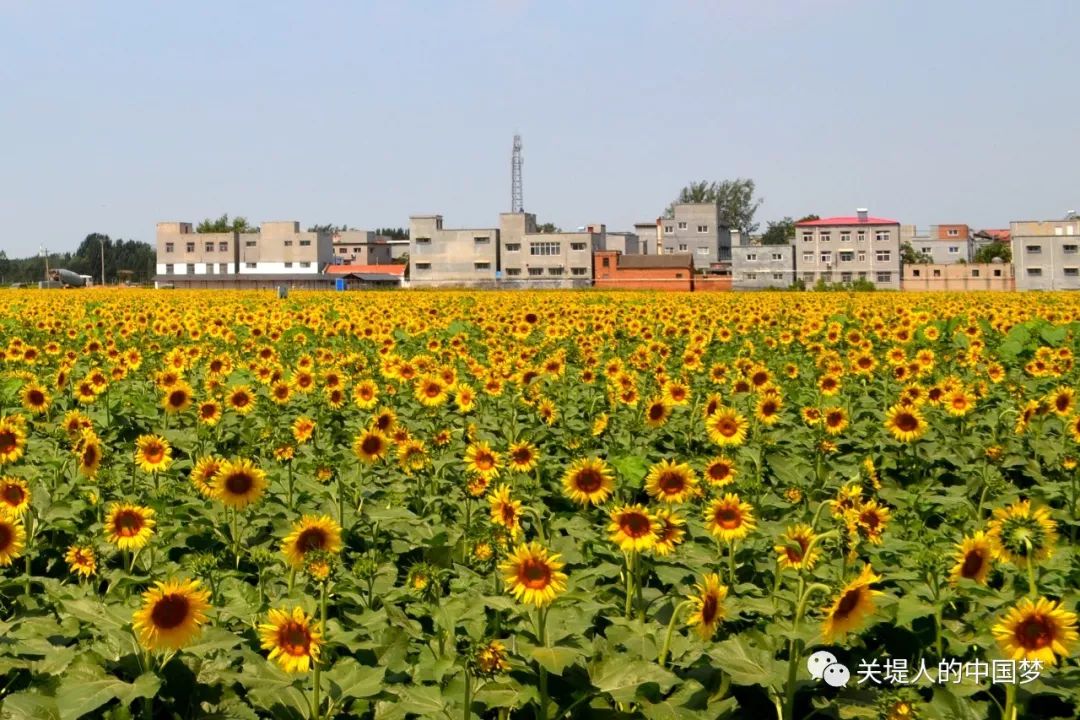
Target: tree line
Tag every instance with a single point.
(130, 255)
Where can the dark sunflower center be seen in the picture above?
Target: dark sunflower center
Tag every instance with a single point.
(240, 399)
(13, 495)
(534, 574)
(311, 539)
(973, 563)
(153, 452)
(8, 441)
(671, 483)
(177, 398)
(834, 419)
(870, 519)
(848, 603)
(170, 611)
(90, 455)
(484, 460)
(656, 412)
(588, 480)
(797, 554)
(7, 536)
(719, 471)
(239, 483)
(1034, 633)
(294, 638)
(906, 422)
(728, 518)
(709, 608)
(635, 524)
(432, 390)
(727, 427)
(209, 410)
(371, 445)
(35, 398)
(522, 456)
(128, 523)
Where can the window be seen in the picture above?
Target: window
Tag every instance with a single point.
(423, 241)
(482, 240)
(288, 264)
(682, 226)
(860, 236)
(536, 271)
(251, 266)
(577, 246)
(1072, 272)
(861, 256)
(191, 247)
(223, 246)
(778, 276)
(423, 266)
(682, 247)
(997, 273)
(544, 248)
(305, 264)
(209, 246)
(808, 257)
(578, 271)
(669, 229)
(305, 243)
(482, 265)
(884, 277)
(845, 277)
(678, 276)
(808, 237)
(1034, 249)
(703, 228)
(974, 272)
(223, 268)
(288, 243)
(513, 272)
(191, 268)
(1068, 249)
(953, 232)
(845, 236)
(1034, 272)
(954, 249)
(209, 268)
(882, 236)
(168, 269)
(703, 251)
(750, 257)
(846, 256)
(826, 256)
(750, 276)
(937, 273)
(927, 249)
(862, 275)
(168, 247)
(606, 262)
(826, 236)
(915, 273)
(512, 247)
(883, 256)
(777, 256)
(555, 271)
(249, 243)
(808, 276)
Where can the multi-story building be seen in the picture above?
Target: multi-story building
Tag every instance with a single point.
(442, 256)
(365, 247)
(959, 276)
(277, 249)
(650, 235)
(615, 270)
(1046, 254)
(534, 259)
(754, 267)
(943, 244)
(696, 228)
(849, 248)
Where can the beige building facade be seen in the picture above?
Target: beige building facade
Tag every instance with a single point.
(696, 228)
(847, 249)
(279, 248)
(440, 256)
(958, 277)
(1046, 254)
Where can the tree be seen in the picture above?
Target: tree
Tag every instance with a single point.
(330, 228)
(223, 224)
(987, 253)
(734, 197)
(548, 228)
(5, 266)
(908, 256)
(393, 233)
(781, 232)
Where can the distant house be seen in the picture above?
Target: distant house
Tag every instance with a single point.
(1046, 254)
(359, 276)
(849, 248)
(959, 276)
(612, 269)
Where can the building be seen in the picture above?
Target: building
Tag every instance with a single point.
(369, 276)
(754, 267)
(695, 228)
(943, 244)
(849, 248)
(552, 260)
(365, 247)
(1046, 254)
(278, 250)
(614, 270)
(959, 277)
(989, 236)
(440, 256)
(650, 234)
(627, 243)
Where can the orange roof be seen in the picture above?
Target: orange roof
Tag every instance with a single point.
(388, 269)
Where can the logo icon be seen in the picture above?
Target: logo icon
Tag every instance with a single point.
(823, 665)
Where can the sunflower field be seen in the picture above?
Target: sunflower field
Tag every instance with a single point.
(538, 505)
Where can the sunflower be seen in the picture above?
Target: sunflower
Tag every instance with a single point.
(293, 639)
(1019, 532)
(12, 539)
(547, 411)
(633, 528)
(533, 576)
(12, 440)
(601, 422)
(177, 398)
(707, 606)
(671, 532)
(504, 511)
(153, 453)
(303, 428)
(35, 399)
(431, 391)
(172, 614)
(522, 456)
(238, 483)
(481, 460)
(767, 410)
(871, 519)
(1062, 400)
(81, 560)
(854, 603)
(1041, 630)
(464, 397)
(491, 659)
(14, 497)
(75, 422)
(280, 392)
(311, 534)
(209, 412)
(848, 498)
(203, 474)
(1074, 428)
(905, 423)
(727, 427)
(412, 455)
(88, 451)
(794, 549)
(657, 411)
(671, 482)
(836, 419)
(588, 480)
(720, 471)
(241, 399)
(128, 526)
(958, 403)
(729, 519)
(974, 559)
(371, 445)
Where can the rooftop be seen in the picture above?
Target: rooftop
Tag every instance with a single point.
(847, 220)
(397, 269)
(642, 262)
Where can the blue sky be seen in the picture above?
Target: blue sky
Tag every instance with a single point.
(119, 114)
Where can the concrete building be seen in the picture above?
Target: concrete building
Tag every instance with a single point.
(696, 228)
(943, 244)
(279, 248)
(365, 247)
(849, 248)
(650, 235)
(627, 243)
(1046, 254)
(613, 270)
(754, 267)
(552, 260)
(959, 277)
(440, 256)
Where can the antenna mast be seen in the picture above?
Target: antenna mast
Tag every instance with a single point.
(517, 203)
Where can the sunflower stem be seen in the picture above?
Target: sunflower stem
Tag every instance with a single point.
(629, 584)
(1033, 589)
(315, 679)
(1010, 702)
(731, 564)
(541, 622)
(29, 543)
(670, 629)
(289, 466)
(468, 694)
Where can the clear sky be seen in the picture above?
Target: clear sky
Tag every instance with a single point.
(118, 114)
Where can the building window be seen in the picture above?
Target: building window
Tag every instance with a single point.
(1034, 249)
(808, 276)
(482, 240)
(577, 246)
(423, 241)
(578, 271)
(513, 272)
(954, 249)
(423, 266)
(682, 226)
(937, 273)
(808, 237)
(191, 247)
(305, 264)
(974, 272)
(223, 268)
(168, 269)
(751, 276)
(703, 251)
(861, 256)
(168, 247)
(1034, 272)
(862, 275)
(997, 273)
(846, 256)
(927, 249)
(555, 271)
(826, 236)
(826, 256)
(808, 257)
(678, 276)
(305, 243)
(953, 232)
(544, 248)
(191, 268)
(513, 247)
(884, 277)
(669, 229)
(482, 265)
(845, 236)
(288, 265)
(777, 256)
(883, 256)
(1071, 272)
(249, 243)
(606, 262)
(251, 266)
(845, 277)
(536, 271)
(915, 273)
(778, 276)
(209, 246)
(1068, 249)
(882, 235)
(223, 246)
(288, 243)
(682, 247)
(750, 257)
(860, 236)
(703, 228)
(209, 268)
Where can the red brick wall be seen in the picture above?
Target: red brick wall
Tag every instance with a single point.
(712, 284)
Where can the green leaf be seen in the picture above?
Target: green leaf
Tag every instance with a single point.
(621, 679)
(29, 706)
(555, 659)
(349, 678)
(87, 688)
(746, 665)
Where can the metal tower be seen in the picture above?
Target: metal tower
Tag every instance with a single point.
(517, 203)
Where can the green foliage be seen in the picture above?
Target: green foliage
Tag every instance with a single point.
(988, 253)
(548, 228)
(393, 233)
(735, 198)
(908, 256)
(131, 255)
(224, 224)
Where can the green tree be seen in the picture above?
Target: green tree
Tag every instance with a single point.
(548, 228)
(224, 224)
(329, 227)
(780, 232)
(393, 233)
(908, 256)
(987, 253)
(735, 198)
(5, 267)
